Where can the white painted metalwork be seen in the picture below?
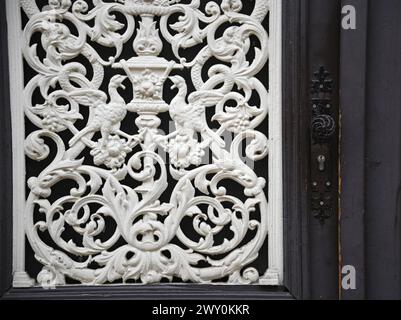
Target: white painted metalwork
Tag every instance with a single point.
(143, 245)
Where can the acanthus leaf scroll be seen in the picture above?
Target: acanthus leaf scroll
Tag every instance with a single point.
(148, 243)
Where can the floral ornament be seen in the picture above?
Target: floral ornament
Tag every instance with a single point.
(237, 119)
(163, 3)
(147, 86)
(49, 278)
(185, 151)
(147, 41)
(56, 118)
(231, 5)
(61, 5)
(249, 276)
(234, 38)
(113, 155)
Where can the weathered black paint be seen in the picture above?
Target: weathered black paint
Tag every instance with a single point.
(152, 292)
(352, 166)
(371, 149)
(323, 51)
(5, 162)
(296, 148)
(383, 151)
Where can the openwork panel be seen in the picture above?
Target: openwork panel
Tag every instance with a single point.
(152, 145)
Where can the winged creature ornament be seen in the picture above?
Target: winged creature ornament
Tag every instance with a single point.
(107, 116)
(190, 116)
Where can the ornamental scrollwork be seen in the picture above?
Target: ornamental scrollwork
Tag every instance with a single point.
(110, 223)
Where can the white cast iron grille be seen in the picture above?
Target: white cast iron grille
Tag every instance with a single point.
(114, 199)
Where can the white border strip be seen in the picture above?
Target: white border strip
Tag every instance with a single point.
(14, 24)
(275, 185)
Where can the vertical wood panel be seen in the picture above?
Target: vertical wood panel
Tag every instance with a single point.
(383, 171)
(323, 32)
(352, 109)
(295, 148)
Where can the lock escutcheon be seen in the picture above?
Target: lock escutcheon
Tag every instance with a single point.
(322, 162)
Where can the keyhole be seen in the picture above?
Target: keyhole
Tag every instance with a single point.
(322, 161)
